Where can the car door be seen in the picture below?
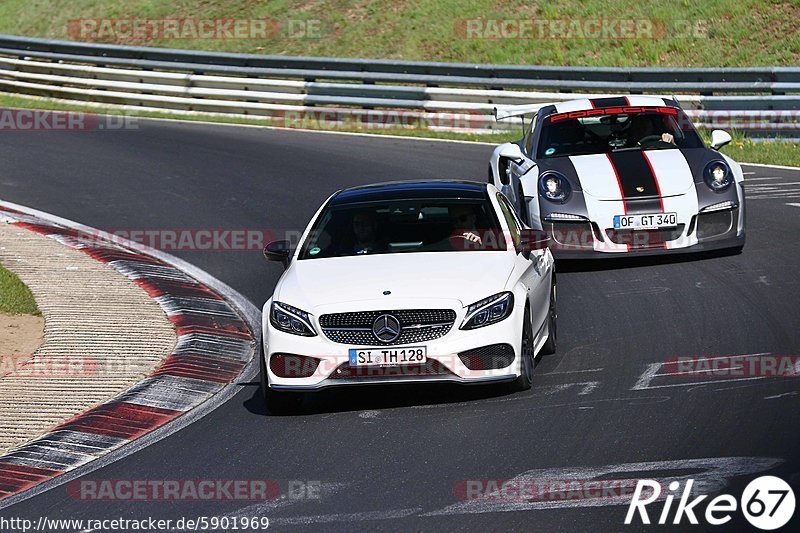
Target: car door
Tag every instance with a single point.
(532, 268)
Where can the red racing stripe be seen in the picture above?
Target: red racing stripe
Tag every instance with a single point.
(655, 179)
(658, 186)
(621, 192)
(619, 184)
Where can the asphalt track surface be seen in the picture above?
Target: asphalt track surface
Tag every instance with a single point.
(389, 458)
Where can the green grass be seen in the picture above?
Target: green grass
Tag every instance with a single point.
(720, 33)
(15, 297)
(768, 152)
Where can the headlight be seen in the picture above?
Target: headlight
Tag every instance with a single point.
(489, 311)
(568, 217)
(721, 206)
(718, 176)
(554, 187)
(291, 320)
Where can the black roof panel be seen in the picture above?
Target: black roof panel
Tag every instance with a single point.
(399, 190)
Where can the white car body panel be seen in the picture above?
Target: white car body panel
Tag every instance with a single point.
(600, 198)
(602, 195)
(415, 280)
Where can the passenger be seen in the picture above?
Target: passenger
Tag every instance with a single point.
(365, 230)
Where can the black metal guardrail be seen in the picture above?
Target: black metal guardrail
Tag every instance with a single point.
(762, 101)
(772, 80)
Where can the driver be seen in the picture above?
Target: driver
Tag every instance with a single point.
(641, 128)
(463, 220)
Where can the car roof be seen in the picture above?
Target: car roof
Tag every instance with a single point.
(401, 190)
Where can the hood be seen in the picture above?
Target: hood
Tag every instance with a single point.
(633, 174)
(464, 276)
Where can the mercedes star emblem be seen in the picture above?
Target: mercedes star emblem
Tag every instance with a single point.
(386, 328)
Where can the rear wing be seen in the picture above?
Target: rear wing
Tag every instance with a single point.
(508, 111)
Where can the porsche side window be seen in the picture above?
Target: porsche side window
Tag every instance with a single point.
(513, 224)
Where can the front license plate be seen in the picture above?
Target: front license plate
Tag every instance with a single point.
(648, 221)
(406, 355)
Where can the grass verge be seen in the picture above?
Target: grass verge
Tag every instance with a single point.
(683, 33)
(15, 296)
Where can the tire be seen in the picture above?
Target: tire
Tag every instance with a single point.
(263, 374)
(525, 379)
(552, 320)
(282, 403)
(278, 402)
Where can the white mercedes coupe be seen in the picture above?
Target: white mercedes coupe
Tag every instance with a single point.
(403, 282)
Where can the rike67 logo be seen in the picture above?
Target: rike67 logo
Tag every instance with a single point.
(767, 503)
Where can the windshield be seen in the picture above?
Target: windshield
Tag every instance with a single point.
(404, 226)
(599, 131)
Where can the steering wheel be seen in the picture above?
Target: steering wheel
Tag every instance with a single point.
(650, 139)
(465, 240)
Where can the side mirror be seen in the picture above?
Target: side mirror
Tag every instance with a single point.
(512, 151)
(719, 138)
(278, 251)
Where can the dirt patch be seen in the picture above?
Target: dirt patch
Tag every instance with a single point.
(20, 336)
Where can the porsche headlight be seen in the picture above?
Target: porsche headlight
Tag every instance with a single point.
(488, 311)
(718, 176)
(554, 187)
(291, 320)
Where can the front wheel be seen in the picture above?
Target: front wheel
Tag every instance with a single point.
(525, 379)
(283, 402)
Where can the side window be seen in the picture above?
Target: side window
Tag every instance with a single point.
(511, 219)
(529, 136)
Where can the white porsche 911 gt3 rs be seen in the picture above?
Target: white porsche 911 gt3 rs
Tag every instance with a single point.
(621, 174)
(408, 282)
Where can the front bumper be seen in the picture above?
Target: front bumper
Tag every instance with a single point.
(444, 363)
(703, 232)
